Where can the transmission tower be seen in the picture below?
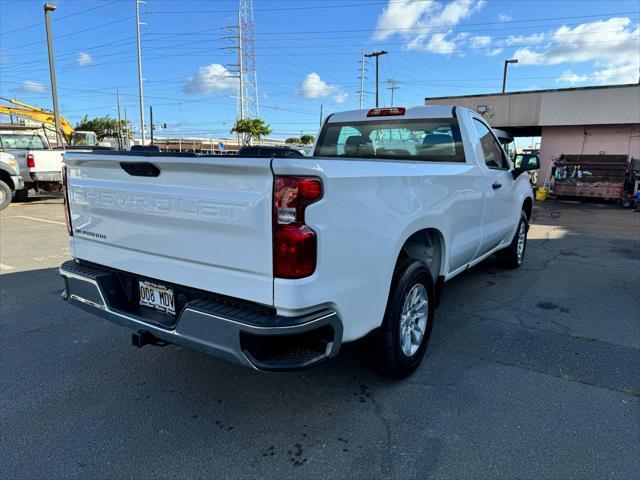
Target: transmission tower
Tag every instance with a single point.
(248, 78)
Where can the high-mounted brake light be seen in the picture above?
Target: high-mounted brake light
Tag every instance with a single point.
(31, 161)
(294, 243)
(67, 212)
(386, 112)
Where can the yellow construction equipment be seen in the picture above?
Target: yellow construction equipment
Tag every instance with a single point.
(22, 110)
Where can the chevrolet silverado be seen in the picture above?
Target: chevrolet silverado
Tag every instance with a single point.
(274, 263)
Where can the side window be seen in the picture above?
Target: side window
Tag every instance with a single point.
(493, 155)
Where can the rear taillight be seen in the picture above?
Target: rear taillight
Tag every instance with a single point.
(67, 213)
(294, 243)
(31, 161)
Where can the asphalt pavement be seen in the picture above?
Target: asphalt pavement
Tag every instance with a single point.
(532, 373)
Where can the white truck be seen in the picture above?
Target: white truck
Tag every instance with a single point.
(274, 263)
(10, 178)
(40, 165)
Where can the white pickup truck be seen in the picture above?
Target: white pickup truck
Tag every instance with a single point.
(40, 165)
(273, 263)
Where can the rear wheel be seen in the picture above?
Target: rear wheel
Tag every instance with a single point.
(398, 347)
(513, 255)
(5, 195)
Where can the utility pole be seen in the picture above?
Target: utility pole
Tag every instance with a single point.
(393, 86)
(377, 55)
(151, 121)
(119, 123)
(126, 130)
(320, 115)
(504, 76)
(140, 70)
(362, 77)
(240, 65)
(48, 8)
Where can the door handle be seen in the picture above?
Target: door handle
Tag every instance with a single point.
(496, 185)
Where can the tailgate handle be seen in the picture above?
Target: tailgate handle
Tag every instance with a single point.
(140, 169)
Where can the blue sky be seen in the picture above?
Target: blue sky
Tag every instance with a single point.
(307, 54)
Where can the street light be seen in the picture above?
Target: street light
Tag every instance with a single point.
(48, 8)
(504, 77)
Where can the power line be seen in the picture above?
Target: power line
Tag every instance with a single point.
(443, 25)
(81, 12)
(95, 27)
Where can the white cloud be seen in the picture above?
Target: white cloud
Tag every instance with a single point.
(535, 38)
(399, 16)
(212, 78)
(623, 74)
(494, 52)
(314, 87)
(440, 44)
(480, 41)
(418, 21)
(29, 86)
(571, 78)
(609, 42)
(84, 59)
(612, 75)
(612, 46)
(504, 17)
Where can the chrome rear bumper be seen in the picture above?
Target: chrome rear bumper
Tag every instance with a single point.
(227, 329)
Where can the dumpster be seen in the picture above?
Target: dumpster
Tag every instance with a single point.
(599, 176)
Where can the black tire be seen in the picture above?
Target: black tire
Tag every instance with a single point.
(21, 195)
(5, 195)
(385, 349)
(510, 256)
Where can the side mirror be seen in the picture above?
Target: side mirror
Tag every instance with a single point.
(527, 164)
(531, 163)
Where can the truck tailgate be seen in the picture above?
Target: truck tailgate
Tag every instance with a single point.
(203, 222)
(47, 161)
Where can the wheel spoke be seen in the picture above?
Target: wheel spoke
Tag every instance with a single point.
(416, 336)
(421, 303)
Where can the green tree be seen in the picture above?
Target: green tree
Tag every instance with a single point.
(251, 128)
(292, 140)
(100, 125)
(307, 139)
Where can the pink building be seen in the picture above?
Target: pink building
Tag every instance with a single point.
(588, 120)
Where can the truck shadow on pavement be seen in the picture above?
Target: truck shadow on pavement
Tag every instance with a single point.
(523, 347)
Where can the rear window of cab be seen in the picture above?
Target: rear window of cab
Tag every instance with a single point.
(432, 140)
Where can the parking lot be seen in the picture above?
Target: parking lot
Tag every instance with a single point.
(532, 373)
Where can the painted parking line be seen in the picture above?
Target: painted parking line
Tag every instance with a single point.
(4, 266)
(37, 219)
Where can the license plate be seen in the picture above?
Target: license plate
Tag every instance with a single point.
(157, 296)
